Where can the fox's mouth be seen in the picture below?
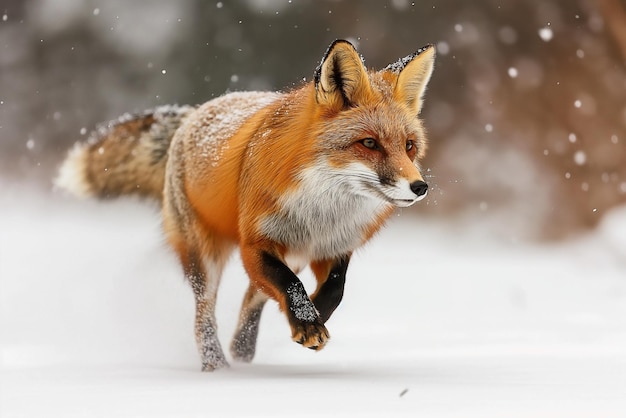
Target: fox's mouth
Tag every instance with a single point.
(401, 203)
(409, 202)
(405, 203)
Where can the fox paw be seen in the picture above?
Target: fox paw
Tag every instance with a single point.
(313, 335)
(214, 365)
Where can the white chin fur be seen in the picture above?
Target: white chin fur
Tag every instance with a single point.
(405, 203)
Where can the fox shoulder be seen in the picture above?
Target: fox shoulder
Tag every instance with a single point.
(204, 136)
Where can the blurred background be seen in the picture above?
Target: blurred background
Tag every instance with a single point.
(526, 110)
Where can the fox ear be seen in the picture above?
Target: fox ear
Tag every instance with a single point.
(341, 79)
(413, 71)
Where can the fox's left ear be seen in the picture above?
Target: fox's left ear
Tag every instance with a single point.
(413, 71)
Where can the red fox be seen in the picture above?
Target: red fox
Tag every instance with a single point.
(292, 179)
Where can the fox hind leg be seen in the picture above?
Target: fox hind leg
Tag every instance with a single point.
(243, 345)
(204, 276)
(203, 256)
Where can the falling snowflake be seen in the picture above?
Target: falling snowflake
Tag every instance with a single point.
(546, 33)
(443, 48)
(580, 158)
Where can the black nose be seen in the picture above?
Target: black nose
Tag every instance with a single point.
(419, 187)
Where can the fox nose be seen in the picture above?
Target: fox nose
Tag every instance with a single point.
(419, 187)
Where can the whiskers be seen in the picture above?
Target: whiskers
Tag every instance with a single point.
(351, 183)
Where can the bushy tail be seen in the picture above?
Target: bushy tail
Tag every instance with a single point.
(124, 157)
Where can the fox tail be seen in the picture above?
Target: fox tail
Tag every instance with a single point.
(123, 157)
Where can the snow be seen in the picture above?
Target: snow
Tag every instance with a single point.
(301, 306)
(438, 320)
(546, 34)
(443, 48)
(580, 157)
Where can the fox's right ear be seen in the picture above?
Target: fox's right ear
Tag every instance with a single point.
(341, 80)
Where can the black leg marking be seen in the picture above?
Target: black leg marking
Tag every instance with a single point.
(306, 327)
(300, 306)
(331, 292)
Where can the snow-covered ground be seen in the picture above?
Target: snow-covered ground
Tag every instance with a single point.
(438, 320)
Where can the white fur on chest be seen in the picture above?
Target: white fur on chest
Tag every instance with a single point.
(327, 216)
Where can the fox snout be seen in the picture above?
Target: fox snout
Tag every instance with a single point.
(409, 189)
(403, 193)
(420, 188)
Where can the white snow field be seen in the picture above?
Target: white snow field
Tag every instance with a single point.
(438, 320)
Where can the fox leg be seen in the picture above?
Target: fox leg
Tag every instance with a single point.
(202, 255)
(204, 276)
(243, 345)
(331, 278)
(268, 273)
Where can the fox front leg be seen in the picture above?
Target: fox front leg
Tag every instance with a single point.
(331, 279)
(269, 274)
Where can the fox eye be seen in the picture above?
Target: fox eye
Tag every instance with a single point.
(409, 145)
(369, 143)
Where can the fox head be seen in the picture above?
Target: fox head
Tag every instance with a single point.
(369, 121)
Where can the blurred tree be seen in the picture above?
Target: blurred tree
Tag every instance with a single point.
(615, 16)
